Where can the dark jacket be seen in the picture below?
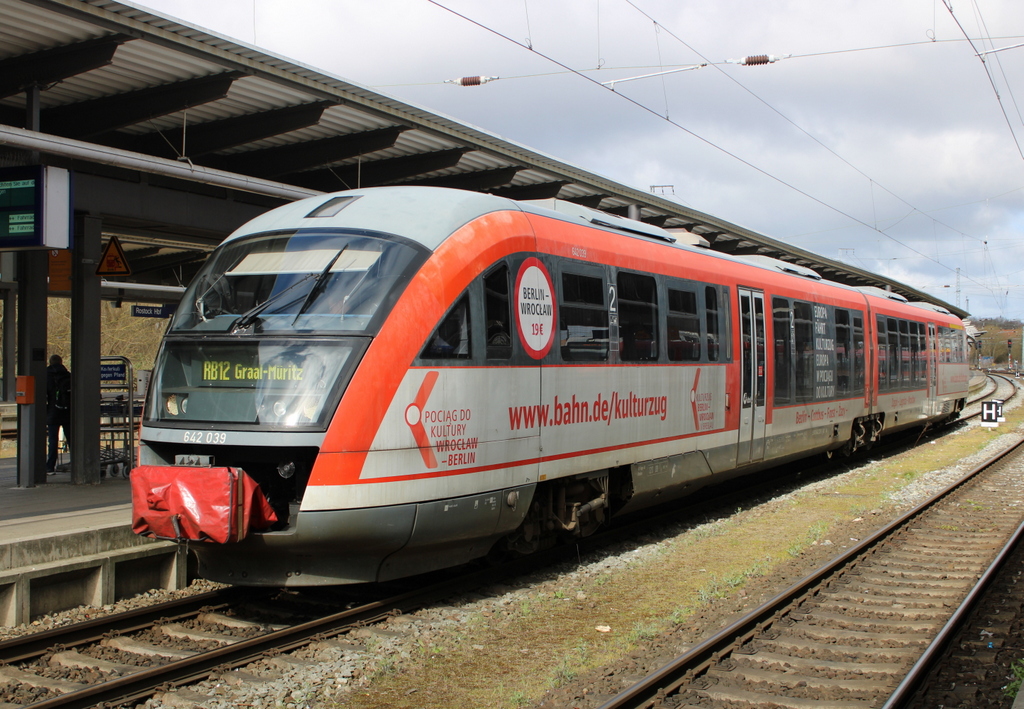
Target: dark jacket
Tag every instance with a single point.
(58, 391)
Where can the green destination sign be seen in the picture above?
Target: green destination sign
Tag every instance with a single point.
(18, 208)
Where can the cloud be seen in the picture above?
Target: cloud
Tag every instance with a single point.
(909, 139)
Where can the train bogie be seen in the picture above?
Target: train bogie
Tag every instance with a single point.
(415, 375)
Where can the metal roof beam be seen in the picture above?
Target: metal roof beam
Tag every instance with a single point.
(287, 159)
(753, 250)
(544, 190)
(151, 264)
(477, 181)
(592, 201)
(51, 66)
(203, 138)
(90, 118)
(379, 172)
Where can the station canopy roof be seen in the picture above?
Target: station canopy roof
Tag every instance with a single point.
(177, 136)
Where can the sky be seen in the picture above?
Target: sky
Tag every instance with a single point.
(879, 138)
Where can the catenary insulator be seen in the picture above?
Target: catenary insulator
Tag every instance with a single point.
(471, 80)
(758, 59)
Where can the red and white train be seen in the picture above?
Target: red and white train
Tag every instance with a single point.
(372, 384)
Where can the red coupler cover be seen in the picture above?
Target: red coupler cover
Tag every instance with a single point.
(198, 504)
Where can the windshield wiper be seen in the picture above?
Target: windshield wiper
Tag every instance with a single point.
(318, 287)
(248, 317)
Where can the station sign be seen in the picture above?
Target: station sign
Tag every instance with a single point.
(35, 208)
(992, 413)
(153, 311)
(113, 372)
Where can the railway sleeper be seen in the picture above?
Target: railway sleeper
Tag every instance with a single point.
(868, 624)
(62, 686)
(754, 699)
(816, 665)
(862, 688)
(830, 651)
(937, 611)
(76, 660)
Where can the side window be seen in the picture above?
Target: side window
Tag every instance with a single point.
(921, 370)
(451, 338)
(583, 319)
(759, 343)
(712, 322)
(894, 353)
(683, 326)
(907, 340)
(638, 317)
(498, 313)
(781, 317)
(858, 352)
(883, 354)
(803, 339)
(844, 353)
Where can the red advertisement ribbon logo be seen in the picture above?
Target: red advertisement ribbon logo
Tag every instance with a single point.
(414, 417)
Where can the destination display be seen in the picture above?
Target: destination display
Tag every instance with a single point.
(35, 207)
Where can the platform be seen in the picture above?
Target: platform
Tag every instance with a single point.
(64, 545)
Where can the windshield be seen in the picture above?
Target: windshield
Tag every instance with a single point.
(267, 382)
(305, 281)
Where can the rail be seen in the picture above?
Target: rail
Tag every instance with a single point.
(696, 661)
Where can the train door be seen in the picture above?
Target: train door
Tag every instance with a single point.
(933, 368)
(750, 447)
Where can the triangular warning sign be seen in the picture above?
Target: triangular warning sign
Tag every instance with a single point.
(113, 262)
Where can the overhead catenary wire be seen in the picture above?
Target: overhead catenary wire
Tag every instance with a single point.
(686, 130)
(991, 81)
(872, 181)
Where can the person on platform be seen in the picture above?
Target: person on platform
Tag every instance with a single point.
(58, 408)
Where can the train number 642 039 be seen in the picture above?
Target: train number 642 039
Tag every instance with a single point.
(216, 437)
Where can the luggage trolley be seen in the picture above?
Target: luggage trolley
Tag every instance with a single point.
(117, 416)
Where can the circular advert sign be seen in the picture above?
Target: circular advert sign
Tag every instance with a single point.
(535, 308)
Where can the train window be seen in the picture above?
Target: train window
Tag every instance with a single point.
(906, 354)
(858, 353)
(803, 339)
(583, 319)
(712, 318)
(921, 368)
(313, 281)
(451, 338)
(638, 317)
(844, 353)
(683, 326)
(746, 355)
(759, 342)
(883, 353)
(498, 314)
(782, 328)
(893, 328)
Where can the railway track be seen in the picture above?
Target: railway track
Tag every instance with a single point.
(125, 659)
(847, 635)
(997, 386)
